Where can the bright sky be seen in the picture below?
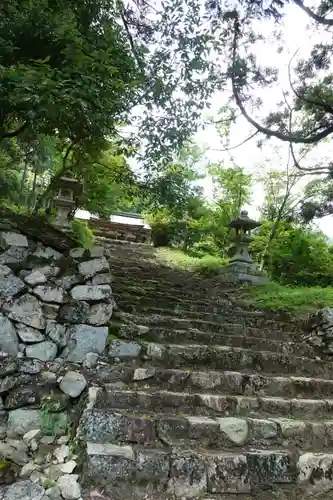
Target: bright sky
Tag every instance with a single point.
(296, 36)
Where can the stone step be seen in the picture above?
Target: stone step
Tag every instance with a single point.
(184, 304)
(180, 302)
(223, 382)
(269, 329)
(175, 297)
(149, 473)
(218, 357)
(191, 286)
(168, 278)
(194, 336)
(198, 404)
(129, 246)
(174, 323)
(195, 432)
(241, 317)
(146, 269)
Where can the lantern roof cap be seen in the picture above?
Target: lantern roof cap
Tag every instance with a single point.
(243, 221)
(68, 181)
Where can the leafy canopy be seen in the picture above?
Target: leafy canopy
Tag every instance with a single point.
(306, 116)
(82, 70)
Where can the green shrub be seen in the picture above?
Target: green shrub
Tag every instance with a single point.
(161, 222)
(209, 265)
(82, 233)
(291, 298)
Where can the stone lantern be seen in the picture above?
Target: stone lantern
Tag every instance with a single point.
(243, 226)
(241, 268)
(68, 190)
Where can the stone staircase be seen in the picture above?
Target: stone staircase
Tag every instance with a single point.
(202, 399)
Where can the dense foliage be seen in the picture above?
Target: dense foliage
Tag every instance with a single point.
(113, 92)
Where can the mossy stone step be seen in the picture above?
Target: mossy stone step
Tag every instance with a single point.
(193, 432)
(194, 336)
(183, 305)
(208, 405)
(200, 321)
(186, 474)
(223, 382)
(186, 301)
(220, 358)
(158, 286)
(166, 324)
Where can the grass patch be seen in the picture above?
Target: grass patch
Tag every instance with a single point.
(294, 299)
(207, 265)
(82, 233)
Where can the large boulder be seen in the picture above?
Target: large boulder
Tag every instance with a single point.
(11, 239)
(89, 268)
(10, 285)
(83, 339)
(49, 293)
(27, 310)
(318, 331)
(91, 293)
(22, 420)
(8, 336)
(24, 490)
(44, 351)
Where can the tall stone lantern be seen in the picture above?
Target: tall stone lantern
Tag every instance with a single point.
(67, 191)
(243, 226)
(241, 268)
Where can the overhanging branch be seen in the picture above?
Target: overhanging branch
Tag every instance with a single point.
(313, 15)
(15, 133)
(240, 143)
(326, 107)
(311, 171)
(297, 139)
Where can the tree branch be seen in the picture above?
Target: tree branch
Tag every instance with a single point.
(54, 179)
(326, 107)
(239, 144)
(129, 36)
(312, 171)
(15, 133)
(223, 120)
(297, 139)
(313, 15)
(65, 157)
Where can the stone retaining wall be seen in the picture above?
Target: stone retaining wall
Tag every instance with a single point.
(318, 331)
(54, 311)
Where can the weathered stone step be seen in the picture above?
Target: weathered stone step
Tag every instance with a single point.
(195, 336)
(223, 382)
(241, 317)
(181, 302)
(193, 432)
(197, 404)
(184, 305)
(186, 474)
(180, 323)
(180, 298)
(191, 286)
(147, 270)
(218, 357)
(169, 278)
(193, 327)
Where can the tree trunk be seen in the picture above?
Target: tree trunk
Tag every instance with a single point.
(32, 194)
(22, 197)
(54, 179)
(273, 231)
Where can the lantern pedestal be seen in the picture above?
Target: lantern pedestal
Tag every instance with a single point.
(241, 268)
(241, 272)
